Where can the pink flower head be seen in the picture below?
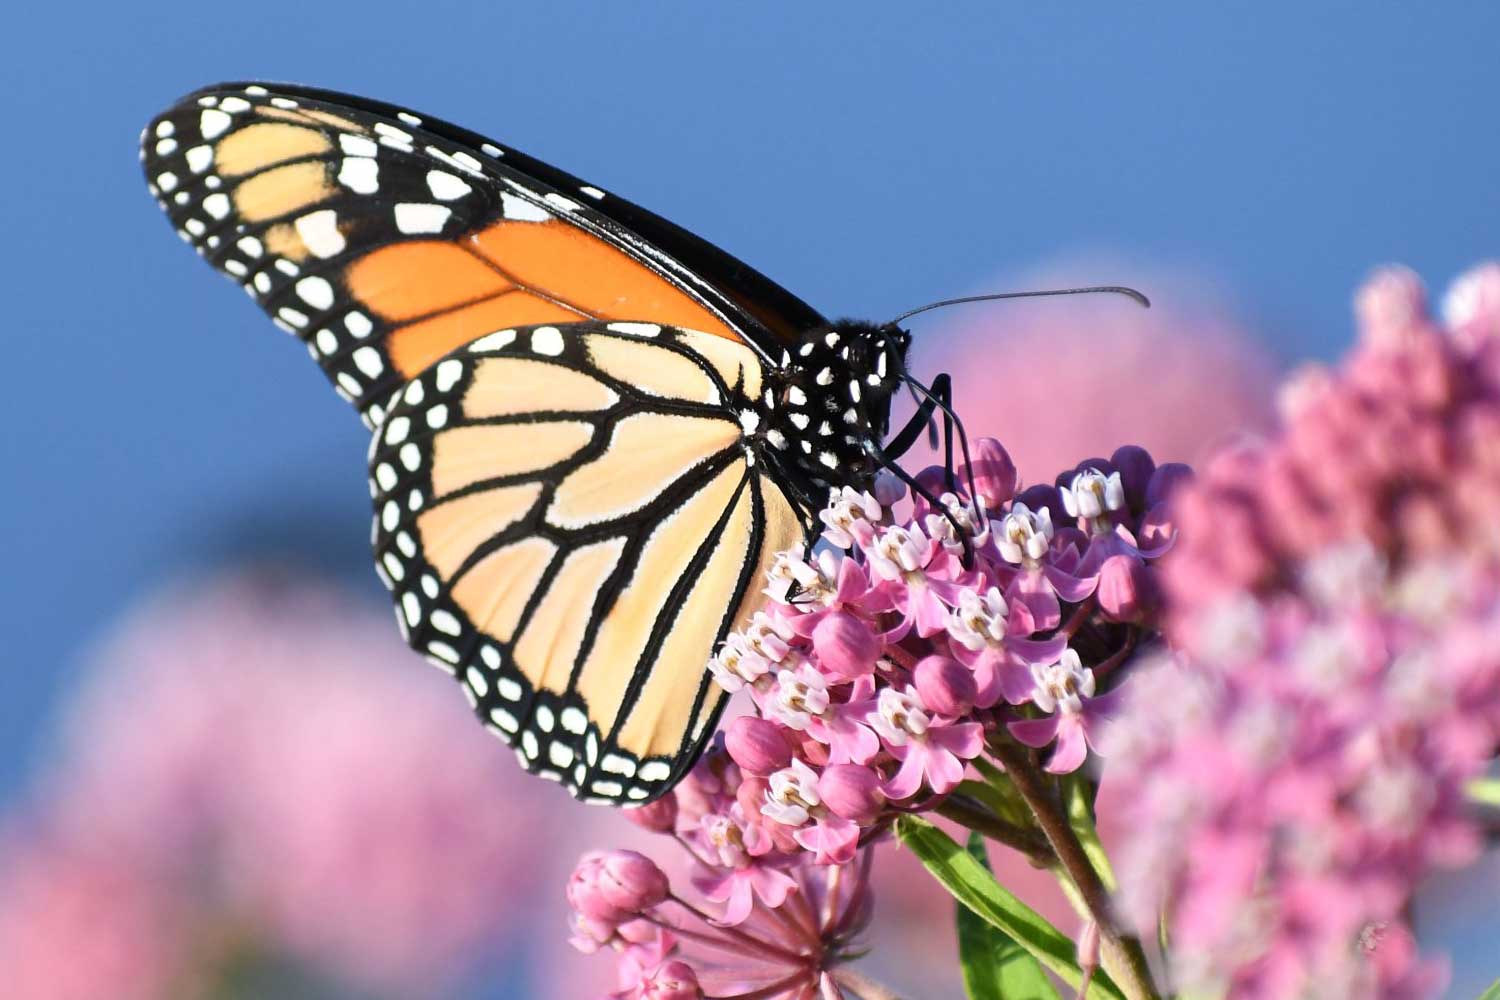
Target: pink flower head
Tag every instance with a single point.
(850, 517)
(929, 748)
(1065, 689)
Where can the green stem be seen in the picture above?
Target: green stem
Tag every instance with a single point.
(972, 816)
(1124, 958)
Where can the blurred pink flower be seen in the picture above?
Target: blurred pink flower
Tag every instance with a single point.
(81, 927)
(1176, 379)
(272, 750)
(1293, 776)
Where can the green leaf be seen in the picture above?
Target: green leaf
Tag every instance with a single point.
(1493, 993)
(995, 967)
(1485, 792)
(973, 886)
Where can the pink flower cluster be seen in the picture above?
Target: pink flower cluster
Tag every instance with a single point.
(256, 772)
(1292, 775)
(784, 925)
(879, 668)
(883, 659)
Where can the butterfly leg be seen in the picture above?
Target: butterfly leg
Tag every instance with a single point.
(927, 405)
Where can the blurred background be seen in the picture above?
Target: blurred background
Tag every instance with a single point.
(221, 772)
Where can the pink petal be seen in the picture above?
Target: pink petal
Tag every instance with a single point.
(833, 840)
(1072, 748)
(1035, 732)
(909, 778)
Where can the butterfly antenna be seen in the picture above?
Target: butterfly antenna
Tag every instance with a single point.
(1129, 293)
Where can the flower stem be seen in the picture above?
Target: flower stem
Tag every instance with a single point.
(972, 816)
(1124, 958)
(867, 988)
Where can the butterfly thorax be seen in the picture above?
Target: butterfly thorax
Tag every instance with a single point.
(829, 399)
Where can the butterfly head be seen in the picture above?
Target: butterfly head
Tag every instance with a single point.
(831, 396)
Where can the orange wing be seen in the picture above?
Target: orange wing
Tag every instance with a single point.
(385, 240)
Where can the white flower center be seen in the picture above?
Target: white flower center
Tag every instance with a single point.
(1062, 686)
(1025, 534)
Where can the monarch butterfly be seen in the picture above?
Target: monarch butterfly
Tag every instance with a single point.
(592, 430)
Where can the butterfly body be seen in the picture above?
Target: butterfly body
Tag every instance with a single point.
(592, 431)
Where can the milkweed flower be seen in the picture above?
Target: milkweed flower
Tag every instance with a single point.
(1297, 767)
(258, 752)
(884, 663)
(772, 923)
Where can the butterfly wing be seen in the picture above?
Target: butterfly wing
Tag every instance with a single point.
(385, 239)
(570, 518)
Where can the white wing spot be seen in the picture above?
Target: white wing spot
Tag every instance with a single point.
(445, 622)
(327, 341)
(477, 682)
(360, 174)
(448, 373)
(566, 204)
(315, 291)
(397, 429)
(358, 324)
(320, 232)
(636, 329)
(418, 217)
(560, 754)
(573, 720)
(494, 341)
(167, 181)
(412, 608)
(656, 770)
(357, 145)
(411, 457)
(446, 187)
(414, 394)
(217, 205)
(408, 117)
(616, 764)
(367, 360)
(437, 416)
(164, 129)
(237, 104)
(547, 340)
(592, 192)
(213, 122)
(520, 210)
(504, 720)
(508, 689)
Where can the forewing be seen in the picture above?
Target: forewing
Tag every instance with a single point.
(385, 239)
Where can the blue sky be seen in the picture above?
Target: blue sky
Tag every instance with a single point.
(869, 157)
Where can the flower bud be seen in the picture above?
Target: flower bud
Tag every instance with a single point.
(631, 881)
(1135, 466)
(1165, 481)
(674, 980)
(945, 686)
(1391, 303)
(1472, 306)
(994, 474)
(852, 792)
(658, 817)
(845, 645)
(889, 490)
(585, 895)
(1044, 495)
(1127, 590)
(757, 745)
